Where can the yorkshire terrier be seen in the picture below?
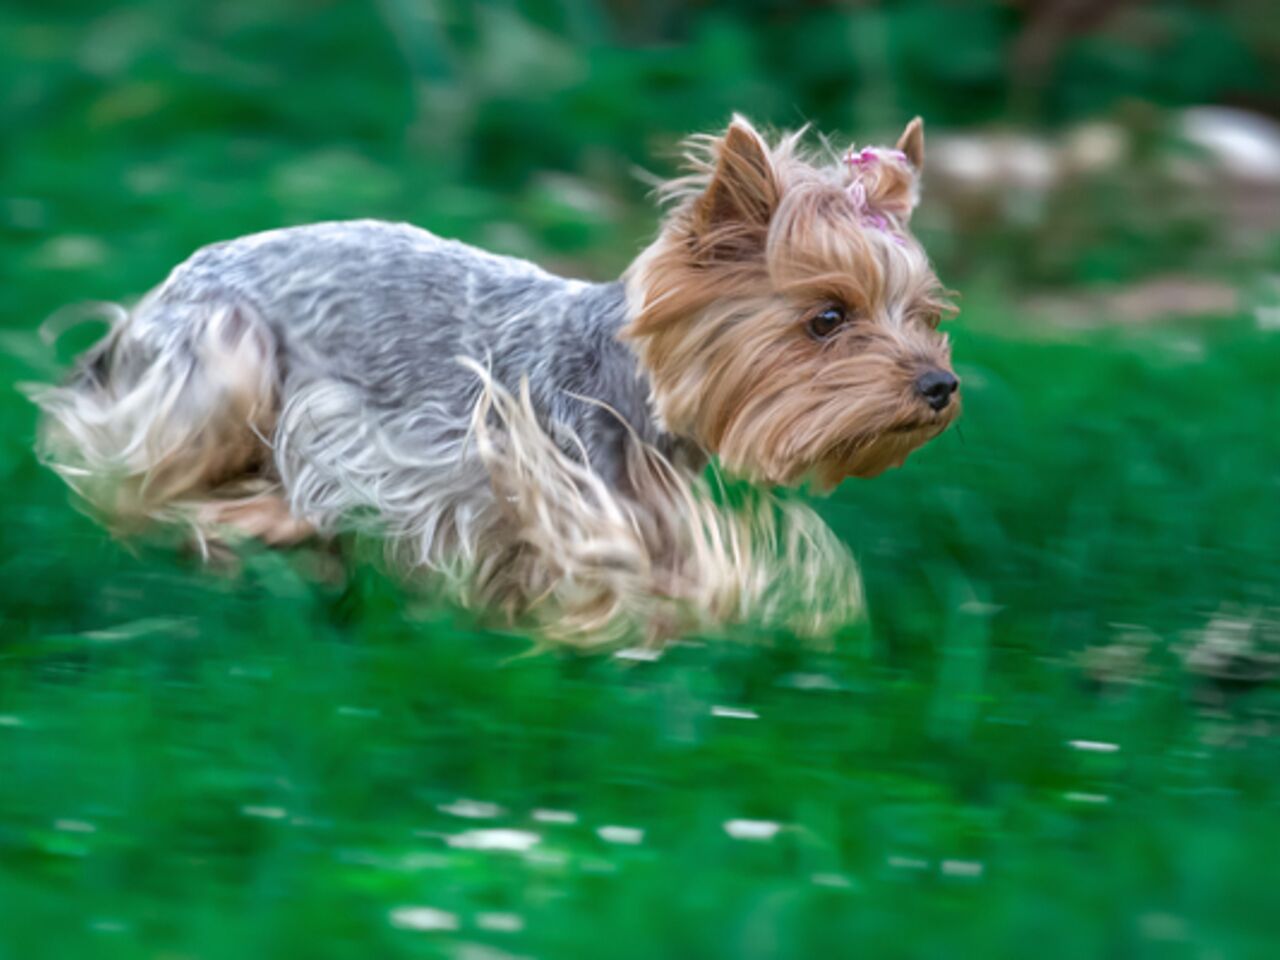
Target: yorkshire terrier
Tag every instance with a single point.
(542, 441)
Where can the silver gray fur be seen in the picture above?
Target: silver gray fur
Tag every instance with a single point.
(389, 308)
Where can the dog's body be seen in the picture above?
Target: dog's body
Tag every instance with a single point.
(300, 379)
(389, 309)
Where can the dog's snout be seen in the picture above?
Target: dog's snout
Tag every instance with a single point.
(936, 387)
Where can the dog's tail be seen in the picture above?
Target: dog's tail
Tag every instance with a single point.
(599, 568)
(173, 403)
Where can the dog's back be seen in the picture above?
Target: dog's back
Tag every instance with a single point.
(315, 371)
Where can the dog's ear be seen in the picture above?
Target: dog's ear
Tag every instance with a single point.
(894, 187)
(744, 190)
(911, 143)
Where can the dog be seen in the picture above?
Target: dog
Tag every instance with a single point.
(540, 442)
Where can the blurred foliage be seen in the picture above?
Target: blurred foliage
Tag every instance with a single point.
(519, 125)
(255, 763)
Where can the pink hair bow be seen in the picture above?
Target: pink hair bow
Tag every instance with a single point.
(857, 193)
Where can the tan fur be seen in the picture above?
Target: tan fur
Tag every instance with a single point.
(911, 143)
(593, 567)
(171, 435)
(264, 516)
(760, 239)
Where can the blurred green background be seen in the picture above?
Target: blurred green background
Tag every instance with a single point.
(1057, 733)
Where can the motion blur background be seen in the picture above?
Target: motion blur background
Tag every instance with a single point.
(1059, 730)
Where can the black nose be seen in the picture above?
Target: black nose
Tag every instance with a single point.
(937, 386)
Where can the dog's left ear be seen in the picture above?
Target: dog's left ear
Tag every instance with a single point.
(895, 187)
(911, 143)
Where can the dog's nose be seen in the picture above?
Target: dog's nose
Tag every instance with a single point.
(937, 386)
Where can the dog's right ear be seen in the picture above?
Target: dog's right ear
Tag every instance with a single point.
(744, 190)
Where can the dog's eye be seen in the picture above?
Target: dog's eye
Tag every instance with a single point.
(823, 325)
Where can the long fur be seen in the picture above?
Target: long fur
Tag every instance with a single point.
(591, 566)
(759, 237)
(153, 429)
(557, 548)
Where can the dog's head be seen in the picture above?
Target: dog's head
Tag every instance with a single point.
(786, 316)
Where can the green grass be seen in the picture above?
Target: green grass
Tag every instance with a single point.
(255, 765)
(1115, 481)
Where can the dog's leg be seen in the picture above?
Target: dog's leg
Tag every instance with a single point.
(407, 475)
(596, 566)
(165, 414)
(264, 517)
